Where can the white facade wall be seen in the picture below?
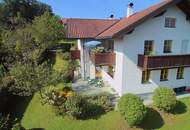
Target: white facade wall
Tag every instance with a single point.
(128, 75)
(107, 78)
(84, 59)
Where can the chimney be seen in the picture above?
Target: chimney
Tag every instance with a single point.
(130, 9)
(111, 17)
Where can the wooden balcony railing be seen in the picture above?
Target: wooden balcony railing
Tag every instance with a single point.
(107, 59)
(167, 61)
(75, 54)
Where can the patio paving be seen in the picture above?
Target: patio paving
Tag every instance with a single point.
(82, 87)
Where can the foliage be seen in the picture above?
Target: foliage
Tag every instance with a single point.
(164, 98)
(103, 100)
(64, 67)
(29, 43)
(4, 122)
(75, 106)
(56, 95)
(14, 12)
(22, 51)
(98, 50)
(98, 104)
(2, 71)
(37, 115)
(17, 126)
(132, 109)
(29, 78)
(78, 106)
(47, 30)
(21, 45)
(97, 82)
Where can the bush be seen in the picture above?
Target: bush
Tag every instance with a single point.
(164, 98)
(75, 106)
(5, 122)
(103, 100)
(132, 108)
(2, 71)
(17, 126)
(98, 104)
(82, 107)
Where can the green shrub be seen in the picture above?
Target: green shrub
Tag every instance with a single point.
(17, 126)
(66, 56)
(83, 106)
(5, 122)
(2, 71)
(103, 100)
(164, 98)
(132, 108)
(98, 104)
(75, 106)
(52, 97)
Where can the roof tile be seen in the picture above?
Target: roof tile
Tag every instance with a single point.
(86, 28)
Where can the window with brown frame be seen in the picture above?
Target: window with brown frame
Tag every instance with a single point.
(180, 72)
(170, 22)
(145, 76)
(164, 75)
(168, 46)
(148, 47)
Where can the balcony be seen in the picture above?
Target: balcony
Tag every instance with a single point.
(106, 59)
(75, 54)
(168, 61)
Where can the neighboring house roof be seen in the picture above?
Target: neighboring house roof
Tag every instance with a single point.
(103, 29)
(86, 28)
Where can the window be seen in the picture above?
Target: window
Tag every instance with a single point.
(164, 75)
(168, 46)
(170, 22)
(180, 72)
(145, 76)
(148, 47)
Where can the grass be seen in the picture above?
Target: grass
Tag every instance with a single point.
(42, 116)
(59, 63)
(39, 116)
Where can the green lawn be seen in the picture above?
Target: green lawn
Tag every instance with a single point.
(39, 116)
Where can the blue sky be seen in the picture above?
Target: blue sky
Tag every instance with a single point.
(95, 8)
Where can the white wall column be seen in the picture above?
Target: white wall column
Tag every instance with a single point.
(92, 71)
(82, 57)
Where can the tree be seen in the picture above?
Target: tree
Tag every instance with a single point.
(27, 44)
(22, 47)
(10, 10)
(47, 31)
(28, 78)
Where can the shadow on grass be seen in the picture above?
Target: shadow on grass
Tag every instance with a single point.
(180, 108)
(37, 129)
(17, 106)
(93, 111)
(153, 120)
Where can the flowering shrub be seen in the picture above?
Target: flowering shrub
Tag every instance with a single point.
(56, 97)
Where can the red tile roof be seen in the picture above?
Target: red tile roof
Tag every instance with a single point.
(87, 28)
(102, 29)
(137, 18)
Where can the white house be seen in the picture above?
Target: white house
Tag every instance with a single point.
(140, 52)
